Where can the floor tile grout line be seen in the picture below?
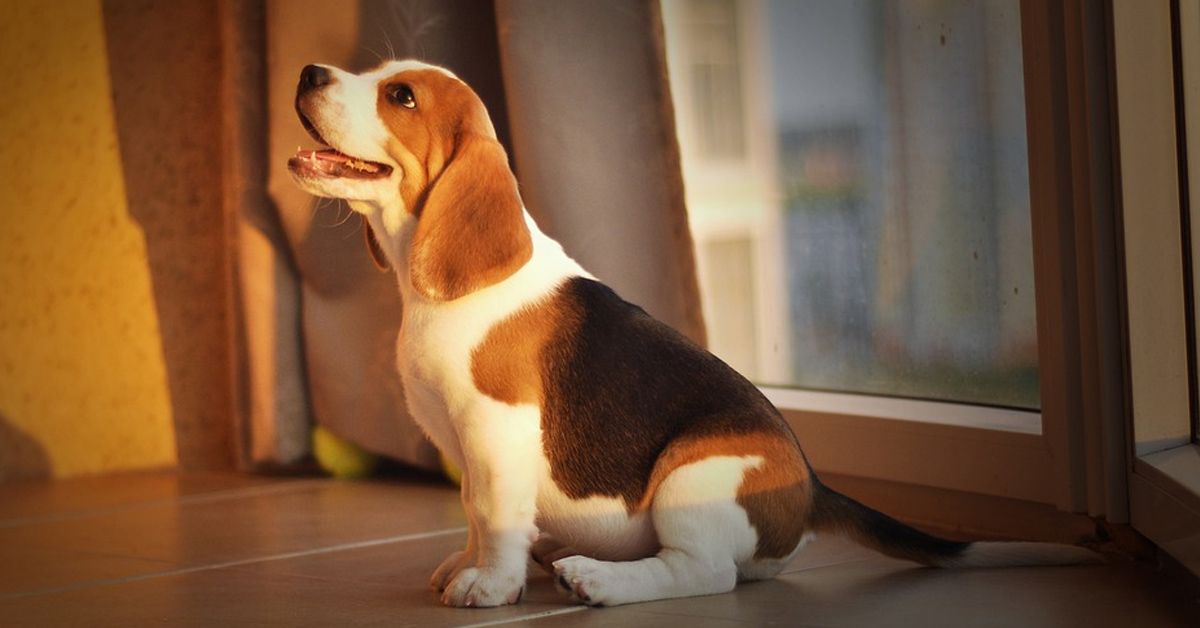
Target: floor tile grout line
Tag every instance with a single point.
(835, 563)
(235, 563)
(202, 498)
(523, 618)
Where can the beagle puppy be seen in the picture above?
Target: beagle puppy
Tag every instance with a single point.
(627, 460)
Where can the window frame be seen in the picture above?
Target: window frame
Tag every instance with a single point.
(1150, 85)
(1077, 462)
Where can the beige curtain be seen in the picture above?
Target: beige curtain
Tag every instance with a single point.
(594, 138)
(578, 92)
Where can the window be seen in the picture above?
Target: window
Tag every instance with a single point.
(914, 173)
(875, 235)
(714, 76)
(1157, 60)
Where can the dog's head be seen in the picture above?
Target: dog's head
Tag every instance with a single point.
(410, 141)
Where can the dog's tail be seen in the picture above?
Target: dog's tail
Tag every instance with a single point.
(835, 512)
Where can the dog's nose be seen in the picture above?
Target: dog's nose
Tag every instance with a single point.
(312, 77)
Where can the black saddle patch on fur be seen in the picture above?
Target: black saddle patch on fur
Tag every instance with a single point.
(619, 386)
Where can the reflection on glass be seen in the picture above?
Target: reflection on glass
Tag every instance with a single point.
(895, 224)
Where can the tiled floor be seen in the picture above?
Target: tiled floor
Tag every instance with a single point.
(228, 550)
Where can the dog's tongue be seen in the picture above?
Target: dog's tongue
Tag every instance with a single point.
(332, 163)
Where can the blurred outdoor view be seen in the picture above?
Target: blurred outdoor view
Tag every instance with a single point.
(858, 189)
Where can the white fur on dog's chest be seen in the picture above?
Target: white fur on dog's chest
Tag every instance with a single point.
(433, 356)
(438, 339)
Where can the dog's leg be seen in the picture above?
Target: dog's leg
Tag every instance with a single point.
(672, 573)
(502, 452)
(704, 535)
(462, 559)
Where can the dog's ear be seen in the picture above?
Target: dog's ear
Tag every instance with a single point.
(374, 248)
(471, 230)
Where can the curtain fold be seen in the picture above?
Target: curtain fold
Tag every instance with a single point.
(594, 136)
(578, 93)
(272, 380)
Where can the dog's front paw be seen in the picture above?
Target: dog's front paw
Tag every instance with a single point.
(449, 568)
(585, 579)
(481, 588)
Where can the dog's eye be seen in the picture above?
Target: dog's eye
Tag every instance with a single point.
(402, 95)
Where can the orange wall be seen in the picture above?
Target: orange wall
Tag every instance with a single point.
(83, 386)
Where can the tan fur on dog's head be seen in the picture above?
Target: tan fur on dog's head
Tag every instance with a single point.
(454, 178)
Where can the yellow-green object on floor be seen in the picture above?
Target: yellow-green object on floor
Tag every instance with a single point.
(341, 458)
(450, 469)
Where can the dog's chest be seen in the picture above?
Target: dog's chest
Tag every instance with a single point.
(434, 350)
(438, 344)
(439, 340)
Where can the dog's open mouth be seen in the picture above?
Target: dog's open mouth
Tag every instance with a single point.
(336, 164)
(332, 163)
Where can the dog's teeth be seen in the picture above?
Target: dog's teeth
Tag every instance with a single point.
(362, 166)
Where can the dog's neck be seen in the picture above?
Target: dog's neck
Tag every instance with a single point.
(393, 228)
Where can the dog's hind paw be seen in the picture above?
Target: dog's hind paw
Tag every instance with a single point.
(584, 579)
(545, 551)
